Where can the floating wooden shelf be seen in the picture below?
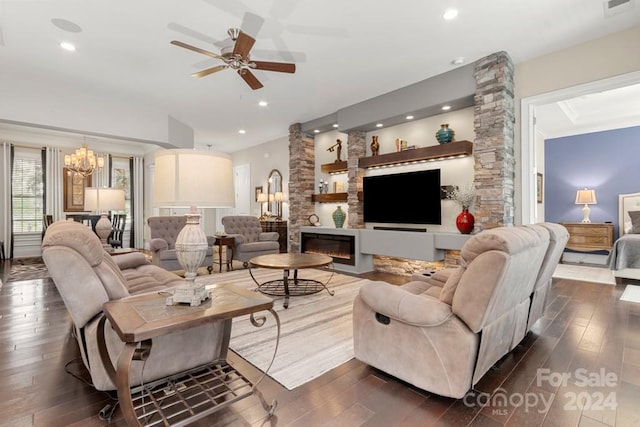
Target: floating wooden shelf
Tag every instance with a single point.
(329, 197)
(434, 152)
(332, 197)
(335, 167)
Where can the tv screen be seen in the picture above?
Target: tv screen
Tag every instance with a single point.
(402, 198)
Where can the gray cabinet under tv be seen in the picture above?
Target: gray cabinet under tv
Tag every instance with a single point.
(418, 245)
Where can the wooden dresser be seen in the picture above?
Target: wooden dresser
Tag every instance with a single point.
(589, 237)
(280, 227)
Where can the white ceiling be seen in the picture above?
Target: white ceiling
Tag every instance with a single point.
(345, 52)
(600, 111)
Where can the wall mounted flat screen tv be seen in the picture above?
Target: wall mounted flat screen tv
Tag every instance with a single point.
(402, 198)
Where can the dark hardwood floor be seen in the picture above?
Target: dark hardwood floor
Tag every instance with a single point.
(586, 333)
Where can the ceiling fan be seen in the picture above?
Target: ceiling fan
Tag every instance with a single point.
(235, 55)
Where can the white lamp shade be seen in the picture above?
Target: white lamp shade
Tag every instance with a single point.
(279, 196)
(186, 178)
(262, 197)
(103, 199)
(586, 197)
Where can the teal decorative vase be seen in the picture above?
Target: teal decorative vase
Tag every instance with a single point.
(445, 134)
(338, 217)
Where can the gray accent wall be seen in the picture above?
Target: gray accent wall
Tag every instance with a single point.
(608, 162)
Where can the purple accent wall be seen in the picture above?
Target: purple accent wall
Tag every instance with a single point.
(608, 162)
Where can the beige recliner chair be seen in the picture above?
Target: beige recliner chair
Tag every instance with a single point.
(558, 237)
(249, 239)
(87, 276)
(444, 339)
(164, 232)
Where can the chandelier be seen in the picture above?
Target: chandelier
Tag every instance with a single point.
(83, 162)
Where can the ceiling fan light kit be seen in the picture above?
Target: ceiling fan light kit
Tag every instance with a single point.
(235, 55)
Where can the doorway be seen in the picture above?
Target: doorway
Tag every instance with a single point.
(529, 147)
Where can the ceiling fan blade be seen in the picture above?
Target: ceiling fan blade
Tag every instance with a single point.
(281, 67)
(195, 49)
(251, 24)
(243, 45)
(250, 78)
(209, 71)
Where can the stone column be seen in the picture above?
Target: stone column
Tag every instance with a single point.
(301, 182)
(356, 148)
(494, 144)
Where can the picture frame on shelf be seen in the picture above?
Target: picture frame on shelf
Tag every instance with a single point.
(258, 192)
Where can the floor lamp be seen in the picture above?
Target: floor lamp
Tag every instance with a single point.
(103, 200)
(193, 179)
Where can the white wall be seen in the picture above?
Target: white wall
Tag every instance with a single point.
(263, 159)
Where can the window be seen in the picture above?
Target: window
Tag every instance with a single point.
(27, 190)
(121, 179)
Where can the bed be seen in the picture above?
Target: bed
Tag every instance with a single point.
(624, 257)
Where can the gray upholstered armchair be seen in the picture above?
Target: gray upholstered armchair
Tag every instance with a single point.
(164, 232)
(250, 240)
(87, 277)
(444, 339)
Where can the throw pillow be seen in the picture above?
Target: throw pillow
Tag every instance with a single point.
(635, 222)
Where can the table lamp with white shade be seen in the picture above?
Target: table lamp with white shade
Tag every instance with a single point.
(278, 197)
(262, 199)
(103, 200)
(194, 179)
(586, 197)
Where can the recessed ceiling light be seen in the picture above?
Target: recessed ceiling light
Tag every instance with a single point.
(68, 46)
(335, 125)
(379, 125)
(446, 107)
(458, 61)
(263, 103)
(242, 131)
(450, 14)
(409, 117)
(316, 131)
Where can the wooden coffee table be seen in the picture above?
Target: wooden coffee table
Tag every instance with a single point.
(287, 262)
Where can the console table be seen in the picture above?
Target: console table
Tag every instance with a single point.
(279, 226)
(178, 400)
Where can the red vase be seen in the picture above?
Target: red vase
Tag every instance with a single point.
(465, 221)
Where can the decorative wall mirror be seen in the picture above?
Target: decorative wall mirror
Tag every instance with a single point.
(274, 191)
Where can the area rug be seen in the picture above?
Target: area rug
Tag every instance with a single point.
(316, 330)
(631, 294)
(584, 273)
(27, 269)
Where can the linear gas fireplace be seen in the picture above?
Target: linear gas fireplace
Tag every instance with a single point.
(340, 247)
